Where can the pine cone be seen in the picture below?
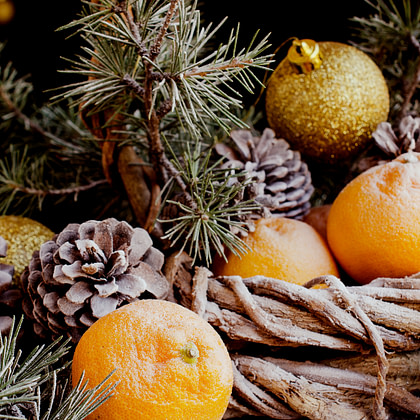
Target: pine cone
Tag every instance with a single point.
(10, 294)
(390, 142)
(404, 139)
(87, 271)
(279, 180)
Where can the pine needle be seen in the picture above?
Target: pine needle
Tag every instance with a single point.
(23, 383)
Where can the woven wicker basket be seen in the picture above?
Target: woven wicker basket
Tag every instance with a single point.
(337, 352)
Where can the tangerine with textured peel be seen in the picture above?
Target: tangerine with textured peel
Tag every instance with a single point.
(281, 248)
(170, 363)
(373, 227)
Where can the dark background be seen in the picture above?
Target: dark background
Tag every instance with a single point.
(36, 48)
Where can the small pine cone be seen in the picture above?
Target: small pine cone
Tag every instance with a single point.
(10, 294)
(390, 142)
(87, 271)
(280, 181)
(404, 139)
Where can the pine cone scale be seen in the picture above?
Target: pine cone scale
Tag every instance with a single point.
(79, 292)
(50, 302)
(102, 306)
(106, 289)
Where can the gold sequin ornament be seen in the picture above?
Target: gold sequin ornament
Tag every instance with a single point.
(326, 99)
(23, 236)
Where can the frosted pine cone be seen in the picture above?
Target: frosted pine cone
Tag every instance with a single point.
(87, 271)
(390, 142)
(404, 139)
(280, 181)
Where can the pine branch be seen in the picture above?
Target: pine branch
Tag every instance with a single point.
(46, 153)
(23, 382)
(151, 67)
(391, 35)
(81, 401)
(168, 66)
(207, 206)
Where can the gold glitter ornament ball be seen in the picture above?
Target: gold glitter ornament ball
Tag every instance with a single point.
(326, 98)
(23, 236)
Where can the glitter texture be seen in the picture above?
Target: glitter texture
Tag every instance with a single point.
(23, 237)
(330, 113)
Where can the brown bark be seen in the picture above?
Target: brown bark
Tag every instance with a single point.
(263, 319)
(142, 189)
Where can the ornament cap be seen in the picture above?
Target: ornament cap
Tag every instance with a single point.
(305, 55)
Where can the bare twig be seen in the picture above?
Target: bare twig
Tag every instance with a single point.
(155, 49)
(63, 191)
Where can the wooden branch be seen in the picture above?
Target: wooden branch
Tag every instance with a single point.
(199, 290)
(309, 399)
(262, 318)
(403, 369)
(389, 314)
(263, 402)
(379, 412)
(279, 327)
(225, 298)
(237, 327)
(389, 294)
(348, 379)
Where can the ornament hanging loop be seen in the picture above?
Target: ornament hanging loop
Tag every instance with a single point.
(305, 54)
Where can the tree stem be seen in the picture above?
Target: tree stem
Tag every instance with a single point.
(155, 49)
(156, 151)
(63, 191)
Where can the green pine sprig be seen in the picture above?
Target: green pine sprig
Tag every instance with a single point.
(207, 207)
(126, 54)
(150, 71)
(46, 153)
(29, 387)
(391, 35)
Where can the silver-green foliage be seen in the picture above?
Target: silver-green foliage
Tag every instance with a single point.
(29, 388)
(190, 76)
(391, 35)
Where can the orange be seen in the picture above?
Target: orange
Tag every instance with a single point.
(281, 248)
(171, 363)
(373, 227)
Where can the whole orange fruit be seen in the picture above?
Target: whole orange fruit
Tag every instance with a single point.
(373, 227)
(171, 363)
(282, 248)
